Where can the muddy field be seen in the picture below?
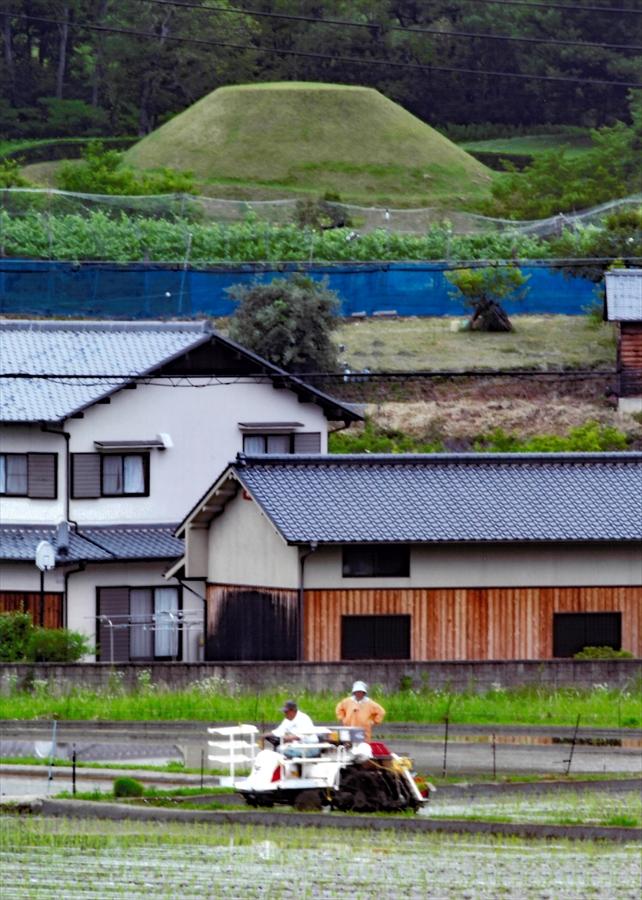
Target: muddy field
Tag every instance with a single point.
(44, 858)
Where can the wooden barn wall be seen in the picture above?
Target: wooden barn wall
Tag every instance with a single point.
(469, 623)
(19, 601)
(246, 622)
(630, 359)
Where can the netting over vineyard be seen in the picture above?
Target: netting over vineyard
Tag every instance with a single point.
(364, 219)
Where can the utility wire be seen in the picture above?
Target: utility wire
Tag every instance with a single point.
(326, 56)
(546, 6)
(378, 27)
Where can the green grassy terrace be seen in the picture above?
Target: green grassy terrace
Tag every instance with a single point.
(213, 701)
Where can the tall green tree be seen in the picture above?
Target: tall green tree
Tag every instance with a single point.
(288, 321)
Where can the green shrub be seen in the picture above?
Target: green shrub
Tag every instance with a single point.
(592, 437)
(10, 175)
(602, 653)
(15, 629)
(378, 440)
(103, 172)
(56, 645)
(128, 787)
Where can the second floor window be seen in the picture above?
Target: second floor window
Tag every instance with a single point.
(13, 474)
(28, 475)
(124, 473)
(376, 560)
(260, 444)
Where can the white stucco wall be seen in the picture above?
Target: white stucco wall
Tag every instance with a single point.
(26, 577)
(244, 548)
(202, 423)
(493, 566)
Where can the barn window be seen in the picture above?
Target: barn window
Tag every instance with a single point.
(375, 637)
(376, 560)
(574, 631)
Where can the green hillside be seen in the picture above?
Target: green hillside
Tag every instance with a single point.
(306, 138)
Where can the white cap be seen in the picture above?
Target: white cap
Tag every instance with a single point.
(360, 686)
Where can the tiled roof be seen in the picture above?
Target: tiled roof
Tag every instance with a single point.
(95, 543)
(439, 497)
(122, 349)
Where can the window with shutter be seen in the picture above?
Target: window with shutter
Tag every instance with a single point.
(307, 442)
(42, 475)
(85, 475)
(375, 637)
(113, 628)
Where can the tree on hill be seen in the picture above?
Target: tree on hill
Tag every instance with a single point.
(484, 291)
(288, 321)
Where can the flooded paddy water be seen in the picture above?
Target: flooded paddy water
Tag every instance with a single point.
(47, 858)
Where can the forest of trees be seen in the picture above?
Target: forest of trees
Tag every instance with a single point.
(112, 67)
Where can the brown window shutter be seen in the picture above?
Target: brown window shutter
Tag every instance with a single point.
(113, 602)
(307, 442)
(41, 475)
(85, 475)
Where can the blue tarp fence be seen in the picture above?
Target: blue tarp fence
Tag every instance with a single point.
(149, 290)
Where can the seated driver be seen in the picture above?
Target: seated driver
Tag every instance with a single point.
(295, 727)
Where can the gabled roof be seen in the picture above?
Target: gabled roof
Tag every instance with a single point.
(440, 497)
(124, 350)
(92, 544)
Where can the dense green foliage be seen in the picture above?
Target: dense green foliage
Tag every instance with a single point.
(21, 641)
(559, 181)
(484, 290)
(217, 700)
(15, 629)
(64, 71)
(603, 653)
(372, 439)
(288, 321)
(588, 438)
(103, 172)
(10, 176)
(127, 787)
(43, 234)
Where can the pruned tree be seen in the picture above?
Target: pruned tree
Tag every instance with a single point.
(484, 290)
(288, 321)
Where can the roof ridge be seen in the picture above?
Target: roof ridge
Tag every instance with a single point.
(103, 325)
(462, 458)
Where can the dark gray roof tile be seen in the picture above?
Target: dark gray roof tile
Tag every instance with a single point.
(94, 543)
(464, 497)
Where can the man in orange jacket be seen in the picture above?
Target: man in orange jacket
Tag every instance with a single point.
(359, 711)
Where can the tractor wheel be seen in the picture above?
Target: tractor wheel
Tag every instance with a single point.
(308, 801)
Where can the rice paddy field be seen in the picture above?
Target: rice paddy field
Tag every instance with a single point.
(43, 858)
(613, 808)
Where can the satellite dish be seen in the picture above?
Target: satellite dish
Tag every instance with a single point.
(45, 556)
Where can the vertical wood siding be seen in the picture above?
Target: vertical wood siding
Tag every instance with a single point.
(469, 623)
(630, 359)
(246, 622)
(19, 601)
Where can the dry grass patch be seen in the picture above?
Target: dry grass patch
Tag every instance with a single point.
(434, 344)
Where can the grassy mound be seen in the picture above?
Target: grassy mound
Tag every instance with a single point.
(307, 138)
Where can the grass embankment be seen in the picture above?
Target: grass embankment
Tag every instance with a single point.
(601, 708)
(540, 343)
(575, 143)
(302, 136)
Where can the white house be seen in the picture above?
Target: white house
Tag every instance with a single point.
(109, 432)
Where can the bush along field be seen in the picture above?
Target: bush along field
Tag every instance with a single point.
(215, 700)
(44, 230)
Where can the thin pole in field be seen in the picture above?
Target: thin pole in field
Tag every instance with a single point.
(573, 742)
(202, 765)
(494, 758)
(445, 765)
(73, 770)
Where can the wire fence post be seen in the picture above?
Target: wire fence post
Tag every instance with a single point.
(573, 743)
(73, 770)
(494, 758)
(202, 766)
(445, 765)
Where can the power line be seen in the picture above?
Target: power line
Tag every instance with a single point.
(546, 6)
(378, 27)
(326, 56)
